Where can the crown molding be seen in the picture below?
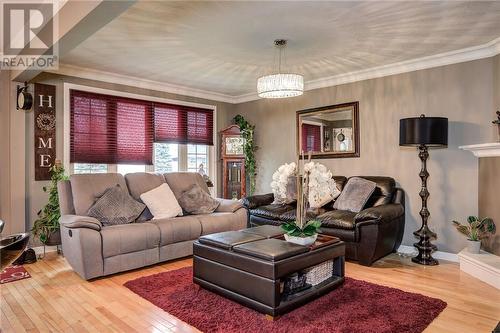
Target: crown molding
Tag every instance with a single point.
(93, 74)
(486, 50)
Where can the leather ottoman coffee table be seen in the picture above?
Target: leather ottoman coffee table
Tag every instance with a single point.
(256, 267)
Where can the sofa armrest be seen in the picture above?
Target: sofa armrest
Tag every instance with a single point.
(255, 201)
(77, 221)
(228, 206)
(380, 214)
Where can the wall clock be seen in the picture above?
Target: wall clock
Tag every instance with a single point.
(24, 98)
(234, 145)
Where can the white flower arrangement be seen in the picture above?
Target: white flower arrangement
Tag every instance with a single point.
(279, 185)
(322, 187)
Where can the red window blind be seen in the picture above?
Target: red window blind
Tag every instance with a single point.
(110, 129)
(183, 124)
(311, 137)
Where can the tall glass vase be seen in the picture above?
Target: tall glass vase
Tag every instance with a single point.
(302, 199)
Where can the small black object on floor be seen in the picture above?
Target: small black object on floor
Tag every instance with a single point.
(27, 257)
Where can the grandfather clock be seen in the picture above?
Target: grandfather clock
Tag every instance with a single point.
(233, 163)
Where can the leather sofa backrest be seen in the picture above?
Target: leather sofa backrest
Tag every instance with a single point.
(340, 181)
(65, 197)
(383, 192)
(141, 182)
(181, 181)
(85, 188)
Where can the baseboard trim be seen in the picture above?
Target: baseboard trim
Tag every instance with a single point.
(405, 249)
(39, 249)
(484, 266)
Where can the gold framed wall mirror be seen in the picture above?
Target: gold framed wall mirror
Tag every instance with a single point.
(329, 131)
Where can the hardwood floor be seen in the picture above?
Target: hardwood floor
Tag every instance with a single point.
(56, 300)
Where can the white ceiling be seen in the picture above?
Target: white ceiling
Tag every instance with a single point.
(224, 46)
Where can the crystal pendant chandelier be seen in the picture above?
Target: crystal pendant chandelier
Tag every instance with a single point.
(280, 85)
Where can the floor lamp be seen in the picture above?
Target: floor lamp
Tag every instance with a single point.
(424, 132)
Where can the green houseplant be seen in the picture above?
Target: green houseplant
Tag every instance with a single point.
(475, 229)
(497, 122)
(46, 227)
(301, 231)
(249, 149)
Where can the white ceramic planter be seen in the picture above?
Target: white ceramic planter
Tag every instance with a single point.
(306, 241)
(473, 246)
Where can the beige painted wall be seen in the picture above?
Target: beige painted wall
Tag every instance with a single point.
(5, 149)
(496, 82)
(489, 183)
(36, 198)
(12, 184)
(461, 92)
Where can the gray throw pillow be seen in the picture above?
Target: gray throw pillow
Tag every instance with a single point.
(356, 193)
(197, 201)
(116, 206)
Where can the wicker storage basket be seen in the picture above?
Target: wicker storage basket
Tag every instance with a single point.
(319, 273)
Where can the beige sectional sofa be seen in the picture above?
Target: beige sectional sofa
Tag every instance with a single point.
(94, 250)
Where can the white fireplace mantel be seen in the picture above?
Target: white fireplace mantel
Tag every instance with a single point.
(484, 149)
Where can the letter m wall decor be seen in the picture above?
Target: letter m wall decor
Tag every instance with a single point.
(45, 130)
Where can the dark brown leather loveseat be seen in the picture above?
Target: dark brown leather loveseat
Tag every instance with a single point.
(369, 235)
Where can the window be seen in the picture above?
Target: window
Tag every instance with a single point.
(130, 168)
(166, 157)
(197, 155)
(110, 129)
(311, 137)
(89, 168)
(111, 133)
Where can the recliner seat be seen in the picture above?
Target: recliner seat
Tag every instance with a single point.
(95, 250)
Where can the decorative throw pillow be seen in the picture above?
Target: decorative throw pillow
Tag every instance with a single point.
(197, 201)
(356, 193)
(161, 202)
(116, 206)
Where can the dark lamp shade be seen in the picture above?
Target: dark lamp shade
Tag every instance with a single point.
(429, 131)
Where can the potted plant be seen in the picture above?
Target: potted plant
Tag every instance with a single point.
(301, 231)
(475, 229)
(497, 122)
(46, 227)
(314, 186)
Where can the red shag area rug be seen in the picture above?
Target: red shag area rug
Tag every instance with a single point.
(357, 306)
(13, 273)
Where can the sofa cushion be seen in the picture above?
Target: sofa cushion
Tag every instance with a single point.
(142, 182)
(337, 219)
(126, 238)
(346, 235)
(162, 202)
(291, 215)
(182, 181)
(218, 222)
(340, 181)
(139, 183)
(86, 188)
(196, 201)
(272, 211)
(116, 206)
(355, 194)
(178, 229)
(384, 191)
